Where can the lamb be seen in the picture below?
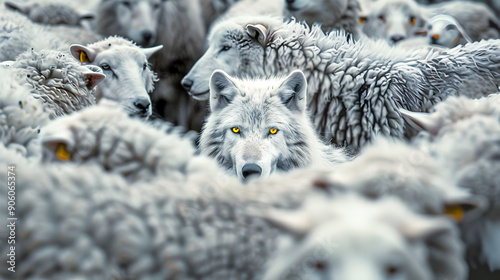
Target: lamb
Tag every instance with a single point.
(466, 133)
(446, 31)
(105, 135)
(354, 92)
(129, 77)
(393, 20)
(331, 14)
(365, 240)
(50, 13)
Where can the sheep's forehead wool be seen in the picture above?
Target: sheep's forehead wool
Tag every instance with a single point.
(54, 14)
(112, 41)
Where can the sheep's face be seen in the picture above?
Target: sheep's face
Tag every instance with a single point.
(139, 19)
(232, 49)
(322, 11)
(444, 31)
(393, 20)
(129, 79)
(341, 251)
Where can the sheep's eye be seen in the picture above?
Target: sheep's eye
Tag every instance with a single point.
(273, 130)
(83, 56)
(382, 17)
(391, 270)
(429, 27)
(450, 27)
(62, 153)
(225, 48)
(105, 66)
(413, 20)
(235, 130)
(144, 66)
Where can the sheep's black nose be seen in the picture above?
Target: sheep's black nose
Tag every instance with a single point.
(187, 83)
(251, 169)
(397, 38)
(142, 104)
(146, 36)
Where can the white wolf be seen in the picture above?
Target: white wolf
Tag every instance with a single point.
(129, 78)
(134, 19)
(257, 127)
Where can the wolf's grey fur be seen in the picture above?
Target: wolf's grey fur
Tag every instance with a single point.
(105, 135)
(366, 240)
(466, 134)
(476, 18)
(50, 13)
(21, 115)
(129, 79)
(331, 14)
(255, 108)
(393, 20)
(355, 88)
(58, 80)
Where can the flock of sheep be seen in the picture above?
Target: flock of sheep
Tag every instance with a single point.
(250, 139)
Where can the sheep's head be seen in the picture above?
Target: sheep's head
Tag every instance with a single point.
(50, 13)
(129, 79)
(59, 81)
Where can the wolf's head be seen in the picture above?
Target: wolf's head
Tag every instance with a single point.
(257, 127)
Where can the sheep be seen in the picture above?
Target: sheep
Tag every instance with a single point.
(50, 13)
(18, 34)
(393, 20)
(466, 133)
(365, 240)
(105, 135)
(129, 77)
(446, 31)
(21, 115)
(58, 80)
(179, 27)
(354, 88)
(476, 18)
(331, 14)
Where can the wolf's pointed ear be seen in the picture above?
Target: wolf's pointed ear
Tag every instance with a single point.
(150, 51)
(24, 8)
(257, 32)
(293, 91)
(222, 90)
(422, 121)
(82, 53)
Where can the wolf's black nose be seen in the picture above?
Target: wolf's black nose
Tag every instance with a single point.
(142, 104)
(251, 169)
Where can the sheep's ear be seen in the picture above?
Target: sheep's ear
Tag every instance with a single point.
(422, 121)
(150, 51)
(57, 144)
(297, 224)
(293, 91)
(20, 7)
(422, 229)
(94, 78)
(82, 53)
(472, 206)
(222, 90)
(257, 32)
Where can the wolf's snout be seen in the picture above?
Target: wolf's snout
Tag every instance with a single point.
(251, 169)
(187, 83)
(142, 104)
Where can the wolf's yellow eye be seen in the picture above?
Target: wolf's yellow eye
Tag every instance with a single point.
(83, 56)
(273, 130)
(236, 129)
(62, 153)
(455, 212)
(362, 20)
